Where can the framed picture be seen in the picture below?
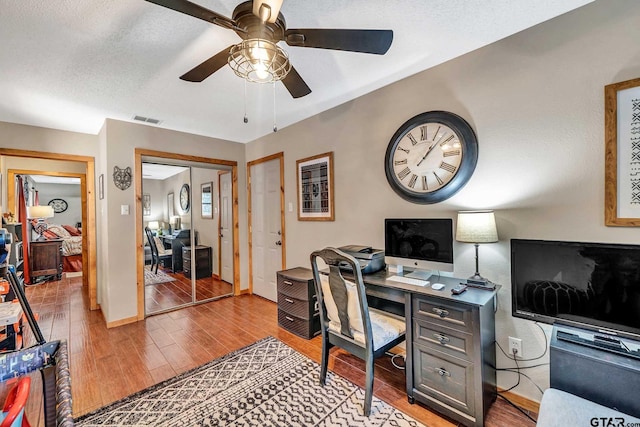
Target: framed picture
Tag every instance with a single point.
(101, 186)
(622, 153)
(206, 191)
(315, 188)
(146, 204)
(170, 206)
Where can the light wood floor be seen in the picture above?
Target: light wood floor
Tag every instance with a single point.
(108, 364)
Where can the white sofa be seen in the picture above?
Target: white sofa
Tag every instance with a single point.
(562, 409)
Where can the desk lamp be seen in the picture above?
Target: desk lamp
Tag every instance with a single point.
(154, 226)
(40, 213)
(477, 227)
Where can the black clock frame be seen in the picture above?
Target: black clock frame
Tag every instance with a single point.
(185, 188)
(465, 170)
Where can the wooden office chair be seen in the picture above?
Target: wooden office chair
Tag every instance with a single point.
(156, 256)
(347, 321)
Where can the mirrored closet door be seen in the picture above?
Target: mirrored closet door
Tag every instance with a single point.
(181, 220)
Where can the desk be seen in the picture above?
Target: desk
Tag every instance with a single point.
(450, 361)
(176, 243)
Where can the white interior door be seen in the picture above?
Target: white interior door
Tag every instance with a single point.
(226, 228)
(266, 233)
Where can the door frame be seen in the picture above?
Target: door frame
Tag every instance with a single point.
(88, 201)
(276, 156)
(139, 154)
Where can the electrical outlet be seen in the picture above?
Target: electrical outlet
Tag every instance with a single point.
(515, 346)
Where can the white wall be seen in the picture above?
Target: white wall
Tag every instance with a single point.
(536, 103)
(70, 193)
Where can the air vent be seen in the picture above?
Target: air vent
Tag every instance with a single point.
(147, 120)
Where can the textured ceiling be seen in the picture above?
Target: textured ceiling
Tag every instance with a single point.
(69, 64)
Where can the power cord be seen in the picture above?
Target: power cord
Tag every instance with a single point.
(546, 348)
(394, 356)
(517, 407)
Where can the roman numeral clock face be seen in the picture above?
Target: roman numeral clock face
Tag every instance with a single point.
(431, 157)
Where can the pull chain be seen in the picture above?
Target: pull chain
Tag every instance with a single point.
(246, 119)
(275, 128)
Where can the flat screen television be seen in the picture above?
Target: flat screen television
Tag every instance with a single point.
(421, 243)
(592, 285)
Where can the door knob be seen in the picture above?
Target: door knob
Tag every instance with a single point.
(279, 243)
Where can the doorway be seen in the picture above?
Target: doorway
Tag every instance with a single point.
(266, 224)
(51, 163)
(181, 211)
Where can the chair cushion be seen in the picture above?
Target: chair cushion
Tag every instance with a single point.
(160, 246)
(384, 326)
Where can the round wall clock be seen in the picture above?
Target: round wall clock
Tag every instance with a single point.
(184, 197)
(431, 156)
(58, 205)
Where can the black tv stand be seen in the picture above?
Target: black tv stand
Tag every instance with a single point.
(600, 342)
(596, 366)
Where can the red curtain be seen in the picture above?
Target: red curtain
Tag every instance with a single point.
(22, 218)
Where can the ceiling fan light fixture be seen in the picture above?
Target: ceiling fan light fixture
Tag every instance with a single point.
(259, 61)
(267, 10)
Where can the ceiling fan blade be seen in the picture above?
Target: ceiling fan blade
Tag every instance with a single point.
(208, 67)
(196, 11)
(366, 41)
(295, 85)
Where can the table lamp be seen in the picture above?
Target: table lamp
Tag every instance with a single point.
(154, 226)
(40, 213)
(477, 227)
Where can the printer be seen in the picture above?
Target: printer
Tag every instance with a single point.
(370, 260)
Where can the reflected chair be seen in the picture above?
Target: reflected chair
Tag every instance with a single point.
(157, 255)
(13, 409)
(347, 321)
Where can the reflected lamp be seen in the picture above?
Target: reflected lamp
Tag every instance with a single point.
(40, 213)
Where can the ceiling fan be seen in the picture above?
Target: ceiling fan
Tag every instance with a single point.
(260, 25)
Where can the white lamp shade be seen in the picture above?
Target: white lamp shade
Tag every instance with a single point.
(154, 225)
(34, 212)
(476, 227)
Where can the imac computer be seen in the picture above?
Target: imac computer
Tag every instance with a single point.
(422, 244)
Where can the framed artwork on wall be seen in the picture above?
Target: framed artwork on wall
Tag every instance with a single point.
(146, 204)
(622, 153)
(314, 176)
(206, 191)
(170, 207)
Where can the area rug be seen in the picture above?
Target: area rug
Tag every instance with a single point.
(264, 384)
(151, 278)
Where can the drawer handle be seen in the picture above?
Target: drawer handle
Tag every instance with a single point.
(290, 301)
(286, 282)
(440, 312)
(443, 339)
(290, 319)
(443, 372)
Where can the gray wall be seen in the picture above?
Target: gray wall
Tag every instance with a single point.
(536, 103)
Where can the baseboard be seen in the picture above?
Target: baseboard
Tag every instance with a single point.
(121, 322)
(521, 401)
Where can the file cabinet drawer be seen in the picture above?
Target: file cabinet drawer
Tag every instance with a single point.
(445, 378)
(447, 340)
(445, 313)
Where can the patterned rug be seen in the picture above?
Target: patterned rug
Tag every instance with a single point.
(264, 384)
(151, 278)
